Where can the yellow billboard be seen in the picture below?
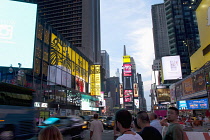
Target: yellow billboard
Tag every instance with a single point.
(126, 59)
(95, 80)
(63, 55)
(202, 55)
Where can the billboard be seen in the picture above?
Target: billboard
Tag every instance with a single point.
(126, 59)
(128, 96)
(172, 93)
(171, 67)
(17, 33)
(193, 104)
(121, 90)
(95, 80)
(187, 86)
(163, 94)
(198, 104)
(135, 90)
(136, 103)
(199, 83)
(127, 71)
(179, 91)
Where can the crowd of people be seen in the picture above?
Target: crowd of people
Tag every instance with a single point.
(142, 127)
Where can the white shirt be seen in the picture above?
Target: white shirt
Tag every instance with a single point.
(130, 137)
(156, 124)
(97, 127)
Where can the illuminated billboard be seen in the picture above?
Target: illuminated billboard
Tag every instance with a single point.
(172, 93)
(95, 80)
(193, 104)
(121, 90)
(136, 103)
(163, 94)
(187, 86)
(126, 59)
(171, 67)
(135, 90)
(128, 96)
(17, 33)
(127, 71)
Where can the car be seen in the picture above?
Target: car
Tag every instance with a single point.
(86, 121)
(102, 118)
(71, 126)
(109, 122)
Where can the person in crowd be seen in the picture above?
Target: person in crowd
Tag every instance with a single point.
(205, 120)
(116, 132)
(96, 128)
(155, 122)
(175, 131)
(135, 125)
(123, 119)
(165, 124)
(50, 133)
(148, 132)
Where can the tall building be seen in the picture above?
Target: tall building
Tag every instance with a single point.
(142, 100)
(160, 35)
(182, 30)
(105, 63)
(78, 21)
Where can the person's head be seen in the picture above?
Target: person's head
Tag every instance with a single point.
(142, 118)
(95, 116)
(50, 133)
(137, 127)
(153, 116)
(123, 119)
(172, 114)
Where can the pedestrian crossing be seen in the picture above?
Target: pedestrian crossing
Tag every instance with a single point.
(108, 131)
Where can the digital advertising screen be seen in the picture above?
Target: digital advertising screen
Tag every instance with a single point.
(127, 82)
(17, 33)
(127, 71)
(128, 96)
(198, 104)
(171, 67)
(182, 105)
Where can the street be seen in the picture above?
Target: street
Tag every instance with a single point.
(106, 135)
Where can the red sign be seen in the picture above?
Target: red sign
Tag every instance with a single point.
(127, 70)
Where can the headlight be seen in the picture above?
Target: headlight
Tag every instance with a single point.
(85, 122)
(105, 123)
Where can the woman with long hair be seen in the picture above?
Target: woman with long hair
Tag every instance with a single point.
(50, 133)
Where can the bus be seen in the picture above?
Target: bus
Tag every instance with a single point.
(17, 112)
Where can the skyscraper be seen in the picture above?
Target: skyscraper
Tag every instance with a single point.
(182, 30)
(161, 44)
(78, 21)
(105, 63)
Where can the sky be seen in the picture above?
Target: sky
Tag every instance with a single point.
(129, 23)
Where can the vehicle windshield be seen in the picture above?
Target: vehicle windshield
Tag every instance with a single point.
(109, 118)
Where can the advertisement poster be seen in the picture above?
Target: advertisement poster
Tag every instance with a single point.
(199, 82)
(187, 86)
(163, 95)
(172, 93)
(179, 91)
(121, 90)
(171, 67)
(128, 96)
(198, 104)
(135, 90)
(127, 70)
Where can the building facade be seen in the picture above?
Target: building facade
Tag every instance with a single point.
(105, 63)
(78, 21)
(160, 31)
(182, 30)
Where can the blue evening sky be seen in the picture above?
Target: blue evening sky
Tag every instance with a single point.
(129, 22)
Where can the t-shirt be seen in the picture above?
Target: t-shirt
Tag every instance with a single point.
(174, 132)
(150, 133)
(130, 137)
(97, 127)
(156, 124)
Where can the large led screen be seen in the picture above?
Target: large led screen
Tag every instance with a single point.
(128, 96)
(127, 83)
(198, 104)
(171, 67)
(17, 33)
(127, 70)
(182, 105)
